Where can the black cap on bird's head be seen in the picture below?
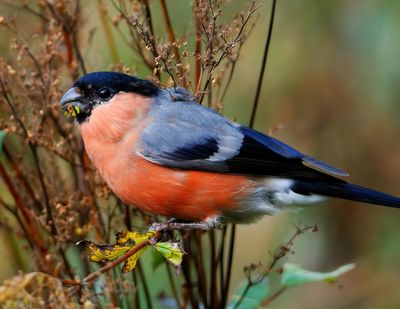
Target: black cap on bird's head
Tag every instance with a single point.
(99, 87)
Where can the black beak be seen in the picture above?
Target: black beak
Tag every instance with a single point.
(73, 103)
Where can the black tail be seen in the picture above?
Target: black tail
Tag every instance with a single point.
(346, 191)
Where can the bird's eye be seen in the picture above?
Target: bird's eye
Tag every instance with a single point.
(104, 93)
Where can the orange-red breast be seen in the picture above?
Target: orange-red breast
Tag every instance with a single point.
(161, 151)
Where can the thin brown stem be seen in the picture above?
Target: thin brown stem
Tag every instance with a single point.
(29, 221)
(172, 284)
(107, 31)
(227, 282)
(21, 177)
(172, 38)
(278, 254)
(170, 29)
(263, 65)
(186, 270)
(145, 286)
(214, 302)
(274, 296)
(198, 258)
(197, 46)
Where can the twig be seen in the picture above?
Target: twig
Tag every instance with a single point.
(148, 16)
(135, 46)
(170, 30)
(172, 39)
(18, 173)
(197, 48)
(229, 266)
(172, 284)
(264, 62)
(145, 286)
(35, 157)
(187, 272)
(198, 258)
(213, 275)
(28, 218)
(270, 299)
(107, 31)
(278, 254)
(221, 265)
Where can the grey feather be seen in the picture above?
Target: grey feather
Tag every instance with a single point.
(184, 134)
(185, 129)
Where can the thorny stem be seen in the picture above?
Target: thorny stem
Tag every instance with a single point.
(264, 62)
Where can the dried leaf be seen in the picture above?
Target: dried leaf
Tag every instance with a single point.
(131, 262)
(125, 241)
(32, 291)
(103, 253)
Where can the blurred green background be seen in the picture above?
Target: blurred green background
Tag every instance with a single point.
(332, 87)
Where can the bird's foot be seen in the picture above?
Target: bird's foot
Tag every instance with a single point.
(173, 224)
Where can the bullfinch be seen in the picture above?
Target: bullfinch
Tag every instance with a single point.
(161, 151)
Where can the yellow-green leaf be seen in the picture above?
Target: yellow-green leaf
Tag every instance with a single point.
(172, 252)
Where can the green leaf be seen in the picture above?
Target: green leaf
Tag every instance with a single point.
(172, 252)
(254, 296)
(294, 275)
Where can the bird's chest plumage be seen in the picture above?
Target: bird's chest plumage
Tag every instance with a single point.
(190, 195)
(111, 140)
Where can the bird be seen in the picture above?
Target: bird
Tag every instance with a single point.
(164, 153)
